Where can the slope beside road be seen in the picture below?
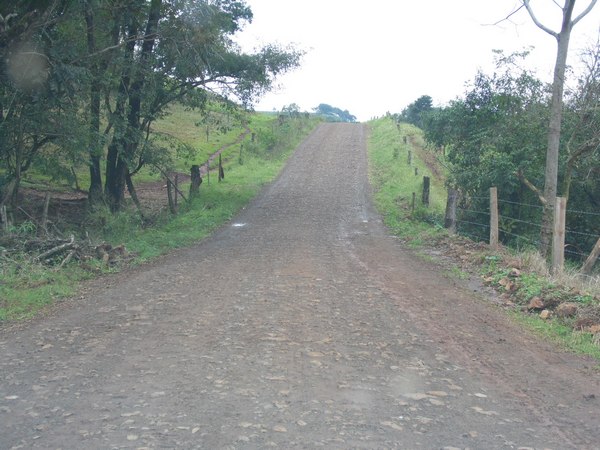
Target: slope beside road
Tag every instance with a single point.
(301, 324)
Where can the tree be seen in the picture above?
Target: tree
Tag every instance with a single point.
(38, 92)
(582, 110)
(165, 51)
(497, 136)
(414, 112)
(334, 114)
(116, 64)
(292, 110)
(493, 134)
(554, 130)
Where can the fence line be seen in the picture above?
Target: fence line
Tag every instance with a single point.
(572, 238)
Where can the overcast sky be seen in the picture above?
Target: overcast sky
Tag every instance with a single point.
(374, 56)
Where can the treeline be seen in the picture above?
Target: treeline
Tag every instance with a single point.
(496, 135)
(82, 82)
(334, 114)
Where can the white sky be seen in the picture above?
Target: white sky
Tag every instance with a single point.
(374, 56)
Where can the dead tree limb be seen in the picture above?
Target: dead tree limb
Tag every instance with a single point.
(45, 212)
(532, 187)
(591, 260)
(57, 249)
(166, 175)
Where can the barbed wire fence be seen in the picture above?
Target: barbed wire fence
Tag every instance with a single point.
(522, 230)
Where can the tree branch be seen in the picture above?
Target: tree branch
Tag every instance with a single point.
(534, 189)
(584, 13)
(166, 175)
(536, 21)
(509, 16)
(116, 46)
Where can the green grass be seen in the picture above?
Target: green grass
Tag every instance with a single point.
(217, 203)
(394, 182)
(561, 334)
(456, 273)
(26, 287)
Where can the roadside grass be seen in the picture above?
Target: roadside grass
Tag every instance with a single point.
(217, 203)
(456, 273)
(561, 335)
(26, 287)
(394, 182)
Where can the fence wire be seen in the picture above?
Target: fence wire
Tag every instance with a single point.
(516, 231)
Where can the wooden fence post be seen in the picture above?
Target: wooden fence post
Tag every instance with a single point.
(172, 206)
(221, 172)
(414, 197)
(4, 217)
(589, 262)
(176, 184)
(426, 187)
(409, 158)
(558, 236)
(450, 219)
(494, 218)
(196, 180)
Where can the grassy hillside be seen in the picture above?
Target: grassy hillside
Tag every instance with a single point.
(394, 180)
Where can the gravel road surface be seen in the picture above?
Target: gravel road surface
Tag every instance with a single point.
(300, 324)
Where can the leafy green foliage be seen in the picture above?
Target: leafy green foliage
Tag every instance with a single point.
(415, 112)
(496, 135)
(96, 74)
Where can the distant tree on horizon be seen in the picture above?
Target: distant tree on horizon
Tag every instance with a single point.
(333, 114)
(413, 113)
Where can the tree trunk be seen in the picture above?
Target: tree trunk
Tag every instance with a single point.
(221, 171)
(172, 206)
(133, 193)
(552, 152)
(116, 171)
(589, 262)
(95, 191)
(114, 182)
(123, 147)
(450, 218)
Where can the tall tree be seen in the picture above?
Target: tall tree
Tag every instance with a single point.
(177, 50)
(414, 112)
(38, 89)
(552, 153)
(117, 64)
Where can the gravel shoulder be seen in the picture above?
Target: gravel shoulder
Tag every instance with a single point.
(300, 324)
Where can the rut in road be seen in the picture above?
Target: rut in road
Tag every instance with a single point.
(301, 324)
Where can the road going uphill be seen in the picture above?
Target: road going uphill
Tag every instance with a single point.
(300, 324)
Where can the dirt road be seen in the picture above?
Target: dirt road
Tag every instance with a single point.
(301, 324)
